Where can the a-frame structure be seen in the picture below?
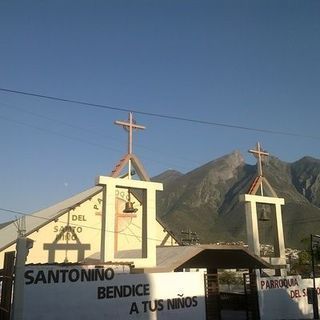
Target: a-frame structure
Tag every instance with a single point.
(260, 183)
(130, 159)
(121, 187)
(263, 204)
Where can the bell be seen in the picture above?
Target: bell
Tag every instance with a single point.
(129, 207)
(264, 215)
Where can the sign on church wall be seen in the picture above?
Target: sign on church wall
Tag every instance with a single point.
(111, 293)
(71, 237)
(76, 234)
(285, 297)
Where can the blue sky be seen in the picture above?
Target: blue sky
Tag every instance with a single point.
(246, 63)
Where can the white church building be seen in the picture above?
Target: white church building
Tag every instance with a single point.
(103, 253)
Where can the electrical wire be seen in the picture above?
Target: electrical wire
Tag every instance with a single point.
(129, 109)
(94, 132)
(158, 115)
(72, 224)
(58, 134)
(301, 221)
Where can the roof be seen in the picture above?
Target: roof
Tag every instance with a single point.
(40, 218)
(176, 258)
(3, 224)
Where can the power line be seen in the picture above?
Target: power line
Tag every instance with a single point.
(59, 134)
(64, 123)
(71, 223)
(93, 132)
(88, 142)
(158, 115)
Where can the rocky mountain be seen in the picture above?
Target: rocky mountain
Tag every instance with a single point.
(206, 200)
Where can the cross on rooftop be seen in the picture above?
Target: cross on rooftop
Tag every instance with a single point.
(129, 126)
(259, 153)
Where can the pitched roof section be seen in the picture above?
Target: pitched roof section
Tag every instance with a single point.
(136, 164)
(40, 218)
(206, 256)
(4, 224)
(267, 189)
(261, 181)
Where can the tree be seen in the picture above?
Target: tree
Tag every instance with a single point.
(229, 278)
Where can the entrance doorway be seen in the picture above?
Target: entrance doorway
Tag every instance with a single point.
(234, 304)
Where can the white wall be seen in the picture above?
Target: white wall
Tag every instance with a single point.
(285, 298)
(158, 296)
(85, 219)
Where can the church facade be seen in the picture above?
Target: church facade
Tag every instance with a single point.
(70, 231)
(112, 221)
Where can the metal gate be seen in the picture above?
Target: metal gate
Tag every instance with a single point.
(212, 297)
(7, 281)
(215, 301)
(251, 295)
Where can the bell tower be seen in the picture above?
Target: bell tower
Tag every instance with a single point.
(264, 217)
(129, 209)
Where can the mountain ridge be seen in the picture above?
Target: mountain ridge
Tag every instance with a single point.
(206, 199)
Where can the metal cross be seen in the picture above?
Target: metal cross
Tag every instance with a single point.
(259, 153)
(129, 126)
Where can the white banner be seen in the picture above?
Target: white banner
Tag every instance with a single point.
(285, 297)
(57, 292)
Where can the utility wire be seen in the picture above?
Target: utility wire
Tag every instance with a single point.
(302, 221)
(71, 223)
(59, 134)
(158, 115)
(58, 121)
(90, 131)
(86, 141)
